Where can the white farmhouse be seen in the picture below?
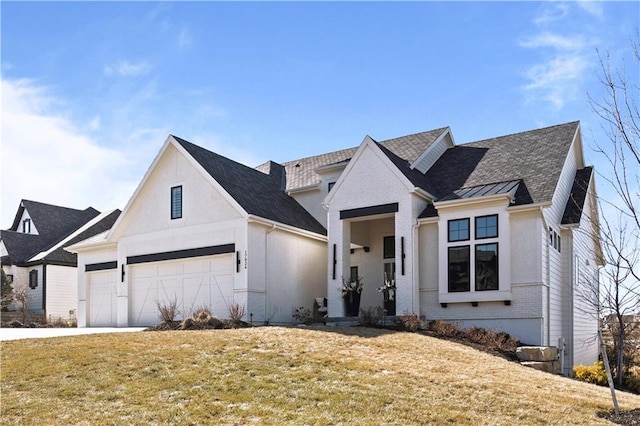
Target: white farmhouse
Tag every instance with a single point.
(496, 233)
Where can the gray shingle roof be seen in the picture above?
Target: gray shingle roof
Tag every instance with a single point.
(535, 157)
(257, 193)
(61, 256)
(575, 204)
(301, 172)
(53, 223)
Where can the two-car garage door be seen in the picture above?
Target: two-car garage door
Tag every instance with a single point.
(194, 283)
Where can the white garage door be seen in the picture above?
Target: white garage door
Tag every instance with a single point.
(195, 283)
(101, 299)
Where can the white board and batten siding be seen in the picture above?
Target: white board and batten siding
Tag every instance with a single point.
(584, 274)
(62, 291)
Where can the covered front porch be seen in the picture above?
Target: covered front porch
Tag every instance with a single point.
(371, 262)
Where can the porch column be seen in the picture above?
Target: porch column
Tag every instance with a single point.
(407, 295)
(339, 263)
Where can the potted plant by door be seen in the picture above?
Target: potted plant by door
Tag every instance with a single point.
(351, 291)
(388, 290)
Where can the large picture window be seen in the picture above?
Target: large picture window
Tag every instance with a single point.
(459, 269)
(473, 267)
(486, 267)
(458, 230)
(176, 202)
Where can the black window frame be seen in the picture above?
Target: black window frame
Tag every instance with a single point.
(176, 214)
(389, 250)
(451, 221)
(26, 226)
(33, 279)
(485, 227)
(451, 289)
(497, 267)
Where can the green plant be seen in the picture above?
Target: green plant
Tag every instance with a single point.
(371, 316)
(409, 321)
(595, 373)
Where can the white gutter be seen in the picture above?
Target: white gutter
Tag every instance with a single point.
(422, 193)
(313, 187)
(288, 228)
(473, 200)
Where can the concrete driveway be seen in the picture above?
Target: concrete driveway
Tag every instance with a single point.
(40, 333)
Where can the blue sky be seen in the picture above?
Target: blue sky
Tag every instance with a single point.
(90, 91)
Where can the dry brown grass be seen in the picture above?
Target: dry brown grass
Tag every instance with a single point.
(273, 375)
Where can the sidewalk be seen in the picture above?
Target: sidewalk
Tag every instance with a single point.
(39, 333)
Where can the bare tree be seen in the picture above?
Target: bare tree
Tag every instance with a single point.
(618, 296)
(22, 297)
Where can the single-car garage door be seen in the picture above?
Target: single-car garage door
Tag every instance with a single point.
(195, 283)
(101, 299)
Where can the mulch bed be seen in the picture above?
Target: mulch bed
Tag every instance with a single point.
(630, 418)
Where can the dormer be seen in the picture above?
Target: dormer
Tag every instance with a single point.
(25, 225)
(434, 151)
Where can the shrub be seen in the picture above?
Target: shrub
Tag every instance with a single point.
(201, 319)
(443, 328)
(595, 373)
(302, 315)
(168, 310)
(237, 312)
(371, 316)
(632, 379)
(409, 322)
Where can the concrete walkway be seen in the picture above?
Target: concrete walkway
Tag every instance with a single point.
(40, 333)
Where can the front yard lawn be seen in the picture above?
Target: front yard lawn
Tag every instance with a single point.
(274, 375)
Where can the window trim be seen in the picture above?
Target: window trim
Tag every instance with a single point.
(475, 223)
(504, 291)
(173, 201)
(450, 221)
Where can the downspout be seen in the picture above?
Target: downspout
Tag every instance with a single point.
(44, 290)
(266, 273)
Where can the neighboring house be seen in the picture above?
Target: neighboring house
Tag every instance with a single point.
(33, 257)
(496, 233)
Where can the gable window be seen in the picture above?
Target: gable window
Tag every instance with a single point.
(458, 230)
(33, 279)
(459, 269)
(26, 226)
(487, 226)
(389, 247)
(176, 202)
(330, 186)
(486, 267)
